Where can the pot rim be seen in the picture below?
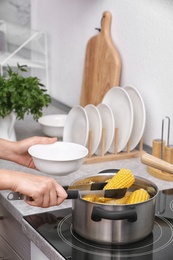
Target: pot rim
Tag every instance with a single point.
(137, 178)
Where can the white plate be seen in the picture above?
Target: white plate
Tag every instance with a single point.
(95, 126)
(121, 106)
(139, 116)
(76, 128)
(108, 124)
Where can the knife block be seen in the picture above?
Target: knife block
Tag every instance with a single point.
(112, 156)
(161, 151)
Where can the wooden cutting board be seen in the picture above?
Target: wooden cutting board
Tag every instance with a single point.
(102, 68)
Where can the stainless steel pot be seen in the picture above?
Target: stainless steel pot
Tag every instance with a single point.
(115, 224)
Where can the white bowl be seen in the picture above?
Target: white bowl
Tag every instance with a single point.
(53, 125)
(60, 158)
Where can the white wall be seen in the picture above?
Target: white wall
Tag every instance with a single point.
(143, 33)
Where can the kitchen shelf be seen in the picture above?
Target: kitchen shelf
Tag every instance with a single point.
(25, 47)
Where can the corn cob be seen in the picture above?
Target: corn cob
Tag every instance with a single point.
(122, 179)
(137, 196)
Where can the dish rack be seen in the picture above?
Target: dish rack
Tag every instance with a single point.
(112, 156)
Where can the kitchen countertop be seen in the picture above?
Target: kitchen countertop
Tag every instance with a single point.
(19, 208)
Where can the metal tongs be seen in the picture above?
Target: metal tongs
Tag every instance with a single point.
(77, 191)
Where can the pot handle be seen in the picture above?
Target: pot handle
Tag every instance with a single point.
(98, 213)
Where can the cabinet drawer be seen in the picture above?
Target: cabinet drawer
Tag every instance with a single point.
(6, 252)
(11, 231)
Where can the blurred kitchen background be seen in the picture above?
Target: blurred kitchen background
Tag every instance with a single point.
(56, 32)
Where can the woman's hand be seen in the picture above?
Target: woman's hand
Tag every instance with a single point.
(18, 151)
(44, 191)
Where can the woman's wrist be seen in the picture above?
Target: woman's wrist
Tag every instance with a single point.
(7, 149)
(6, 179)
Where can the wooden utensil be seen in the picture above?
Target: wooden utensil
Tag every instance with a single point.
(102, 66)
(157, 163)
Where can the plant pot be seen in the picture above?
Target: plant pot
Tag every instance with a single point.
(7, 130)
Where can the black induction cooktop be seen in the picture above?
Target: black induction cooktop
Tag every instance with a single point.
(56, 227)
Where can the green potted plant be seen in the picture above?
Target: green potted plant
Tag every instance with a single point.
(20, 95)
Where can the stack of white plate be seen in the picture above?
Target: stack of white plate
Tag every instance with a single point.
(129, 114)
(80, 121)
(121, 108)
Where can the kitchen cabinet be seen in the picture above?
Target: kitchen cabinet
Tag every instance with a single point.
(6, 251)
(14, 244)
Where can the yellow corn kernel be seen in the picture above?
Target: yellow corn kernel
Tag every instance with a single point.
(137, 196)
(120, 201)
(108, 180)
(122, 179)
(89, 197)
(102, 200)
(95, 198)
